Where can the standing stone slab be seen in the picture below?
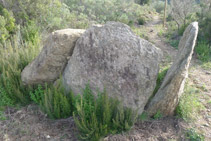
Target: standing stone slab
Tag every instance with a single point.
(50, 63)
(114, 58)
(167, 97)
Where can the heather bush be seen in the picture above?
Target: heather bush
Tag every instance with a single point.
(98, 117)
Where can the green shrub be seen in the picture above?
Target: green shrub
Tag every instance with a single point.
(10, 20)
(141, 32)
(7, 25)
(4, 34)
(30, 32)
(182, 29)
(108, 10)
(161, 75)
(143, 116)
(37, 95)
(53, 100)
(204, 18)
(158, 115)
(101, 116)
(94, 117)
(174, 43)
(143, 2)
(47, 14)
(206, 65)
(131, 23)
(203, 51)
(2, 116)
(124, 18)
(192, 135)
(13, 58)
(5, 100)
(141, 21)
(189, 105)
(159, 6)
(160, 79)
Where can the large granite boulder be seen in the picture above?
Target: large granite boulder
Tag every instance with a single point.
(50, 63)
(167, 97)
(114, 58)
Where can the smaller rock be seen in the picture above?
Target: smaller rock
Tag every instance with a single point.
(48, 137)
(206, 125)
(50, 63)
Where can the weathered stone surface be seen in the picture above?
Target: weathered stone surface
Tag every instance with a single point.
(167, 97)
(50, 63)
(114, 58)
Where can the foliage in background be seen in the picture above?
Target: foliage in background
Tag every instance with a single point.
(7, 24)
(182, 10)
(142, 2)
(158, 6)
(108, 10)
(189, 105)
(141, 32)
(47, 14)
(204, 18)
(203, 50)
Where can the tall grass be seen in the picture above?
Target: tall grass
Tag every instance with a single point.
(14, 56)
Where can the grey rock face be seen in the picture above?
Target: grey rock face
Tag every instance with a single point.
(167, 97)
(50, 63)
(114, 58)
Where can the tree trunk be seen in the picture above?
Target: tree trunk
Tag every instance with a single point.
(164, 17)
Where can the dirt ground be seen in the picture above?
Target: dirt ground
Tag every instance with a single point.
(30, 124)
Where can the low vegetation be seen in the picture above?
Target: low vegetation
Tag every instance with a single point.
(203, 50)
(94, 117)
(101, 116)
(189, 106)
(160, 78)
(158, 115)
(192, 135)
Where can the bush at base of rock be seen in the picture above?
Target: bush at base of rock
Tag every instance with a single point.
(13, 59)
(53, 101)
(101, 116)
(95, 117)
